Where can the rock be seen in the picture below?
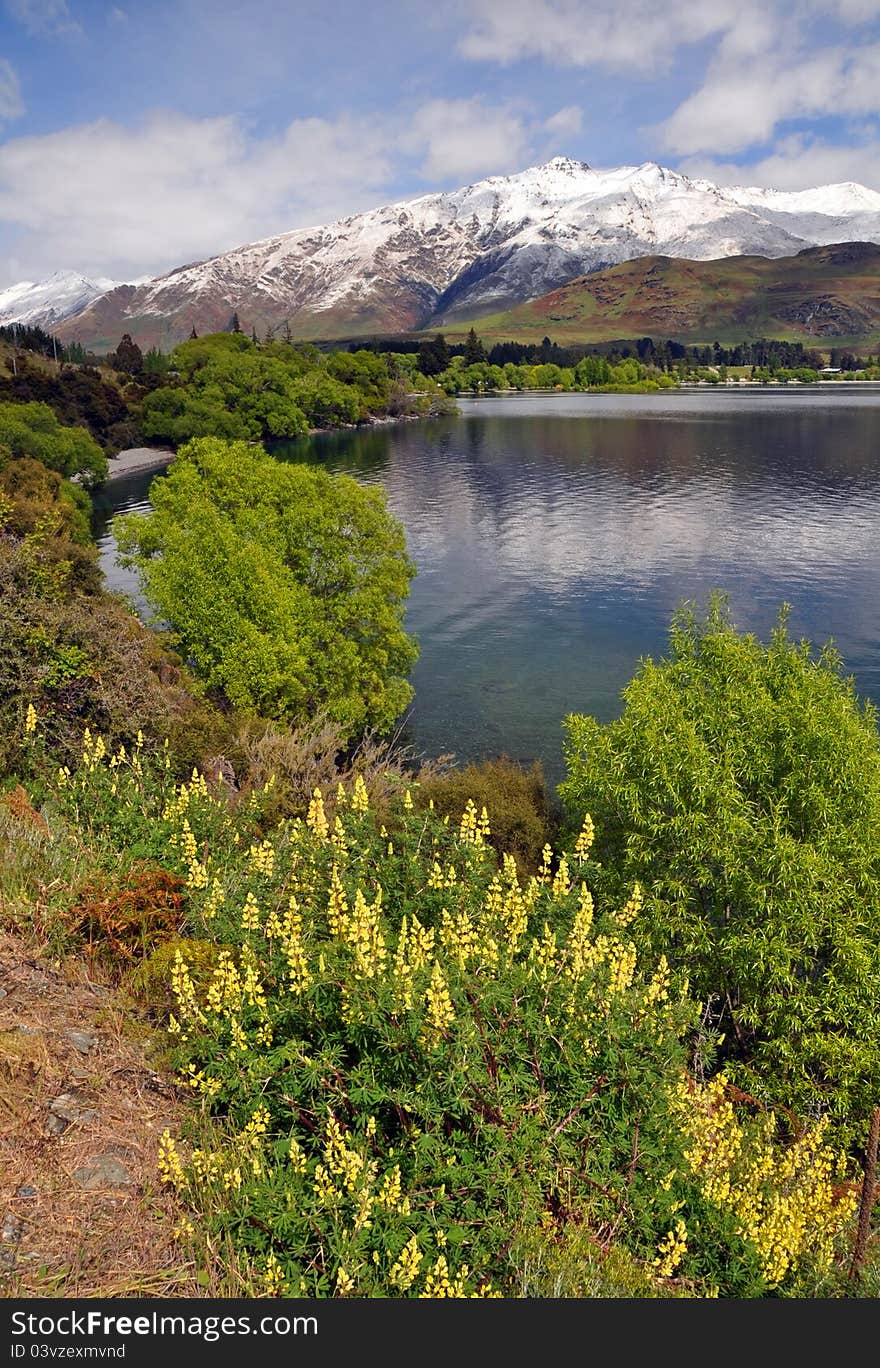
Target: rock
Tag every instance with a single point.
(26, 1192)
(80, 1040)
(104, 1171)
(72, 1108)
(11, 1228)
(56, 1125)
(4, 992)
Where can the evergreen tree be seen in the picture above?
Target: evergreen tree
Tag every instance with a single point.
(193, 337)
(128, 357)
(234, 325)
(474, 351)
(433, 355)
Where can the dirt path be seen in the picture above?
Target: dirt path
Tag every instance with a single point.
(82, 1212)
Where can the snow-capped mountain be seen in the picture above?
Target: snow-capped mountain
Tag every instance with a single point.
(47, 302)
(465, 253)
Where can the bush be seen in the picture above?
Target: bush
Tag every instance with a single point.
(33, 430)
(742, 787)
(522, 818)
(286, 585)
(80, 658)
(418, 1064)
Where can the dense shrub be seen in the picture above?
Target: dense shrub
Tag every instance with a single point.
(225, 385)
(80, 658)
(523, 820)
(420, 1065)
(78, 396)
(33, 430)
(285, 584)
(742, 787)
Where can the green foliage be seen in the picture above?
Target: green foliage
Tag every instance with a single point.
(593, 372)
(71, 651)
(522, 819)
(128, 357)
(228, 386)
(286, 585)
(78, 396)
(427, 1077)
(742, 786)
(36, 493)
(33, 430)
(327, 403)
(367, 373)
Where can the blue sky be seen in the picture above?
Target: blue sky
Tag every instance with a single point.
(136, 138)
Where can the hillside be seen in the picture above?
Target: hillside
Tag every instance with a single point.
(821, 294)
(463, 254)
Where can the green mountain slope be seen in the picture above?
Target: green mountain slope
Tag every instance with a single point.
(823, 294)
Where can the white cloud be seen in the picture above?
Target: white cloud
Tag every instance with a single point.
(107, 199)
(44, 16)
(616, 34)
(565, 122)
(741, 103)
(797, 163)
(461, 139)
(11, 104)
(118, 201)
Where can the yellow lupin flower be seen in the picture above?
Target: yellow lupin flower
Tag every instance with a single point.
(169, 1164)
(30, 721)
(440, 1014)
(273, 1276)
(316, 818)
(405, 1271)
(584, 842)
(360, 799)
(671, 1250)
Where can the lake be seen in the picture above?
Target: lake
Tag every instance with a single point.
(555, 534)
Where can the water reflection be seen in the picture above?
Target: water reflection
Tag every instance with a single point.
(555, 537)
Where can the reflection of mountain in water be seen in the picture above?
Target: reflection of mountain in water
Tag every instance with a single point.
(554, 537)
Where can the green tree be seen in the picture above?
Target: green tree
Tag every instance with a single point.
(128, 357)
(474, 351)
(433, 355)
(741, 787)
(285, 584)
(33, 430)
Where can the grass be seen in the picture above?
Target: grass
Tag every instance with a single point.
(728, 301)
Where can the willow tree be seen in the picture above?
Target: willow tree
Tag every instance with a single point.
(285, 585)
(741, 788)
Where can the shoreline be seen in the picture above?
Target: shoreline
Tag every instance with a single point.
(134, 460)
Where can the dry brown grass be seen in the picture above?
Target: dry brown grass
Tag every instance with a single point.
(301, 759)
(67, 1240)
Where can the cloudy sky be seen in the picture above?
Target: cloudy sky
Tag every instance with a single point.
(135, 138)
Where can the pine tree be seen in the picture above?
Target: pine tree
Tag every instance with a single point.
(474, 351)
(193, 335)
(433, 355)
(128, 356)
(234, 325)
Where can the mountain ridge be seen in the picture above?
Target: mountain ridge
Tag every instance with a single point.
(461, 254)
(821, 293)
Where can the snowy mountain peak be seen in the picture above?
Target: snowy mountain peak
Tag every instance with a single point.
(47, 302)
(462, 254)
(569, 165)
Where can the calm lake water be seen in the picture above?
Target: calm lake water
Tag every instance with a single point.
(554, 536)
